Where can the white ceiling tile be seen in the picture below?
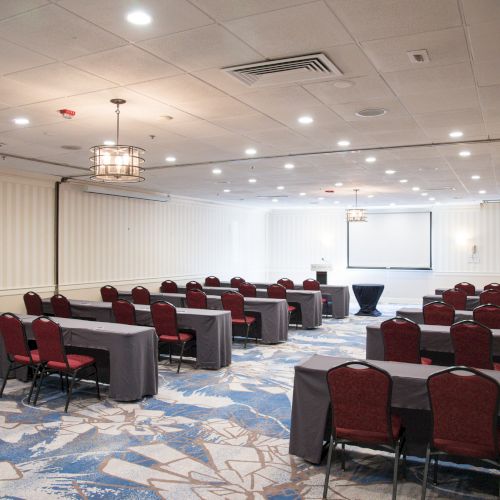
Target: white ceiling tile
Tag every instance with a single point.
(389, 18)
(15, 7)
(348, 110)
(247, 123)
(291, 32)
(220, 79)
(169, 16)
(203, 48)
(484, 39)
(16, 58)
(481, 11)
(442, 100)
(219, 107)
(57, 33)
(195, 129)
(487, 72)
(125, 65)
(350, 60)
(16, 93)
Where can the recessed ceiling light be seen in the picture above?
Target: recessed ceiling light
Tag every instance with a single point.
(139, 17)
(339, 184)
(302, 194)
(475, 177)
(390, 172)
(109, 143)
(482, 191)
(21, 121)
(275, 200)
(252, 181)
(371, 112)
(343, 143)
(250, 151)
(432, 199)
(280, 187)
(320, 198)
(455, 134)
(424, 194)
(392, 204)
(227, 190)
(305, 120)
(415, 188)
(289, 166)
(464, 153)
(370, 159)
(216, 171)
(336, 202)
(403, 181)
(371, 195)
(170, 159)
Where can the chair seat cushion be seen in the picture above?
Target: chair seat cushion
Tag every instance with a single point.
(364, 436)
(183, 337)
(465, 449)
(426, 361)
(25, 360)
(75, 362)
(496, 366)
(291, 308)
(240, 321)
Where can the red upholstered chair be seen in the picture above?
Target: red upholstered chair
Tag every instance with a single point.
(53, 357)
(401, 339)
(490, 297)
(109, 293)
(287, 283)
(124, 312)
(276, 291)
(464, 409)
(468, 288)
(212, 281)
(235, 302)
(141, 295)
(360, 396)
(61, 306)
(237, 281)
(488, 315)
(17, 349)
(439, 313)
(164, 317)
(492, 286)
(248, 290)
(169, 286)
(473, 345)
(456, 298)
(33, 303)
(312, 284)
(196, 299)
(193, 285)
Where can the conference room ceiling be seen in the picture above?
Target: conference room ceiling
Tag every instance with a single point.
(80, 54)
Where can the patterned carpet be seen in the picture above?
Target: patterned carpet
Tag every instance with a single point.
(207, 435)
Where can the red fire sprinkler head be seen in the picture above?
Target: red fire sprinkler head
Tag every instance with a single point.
(66, 113)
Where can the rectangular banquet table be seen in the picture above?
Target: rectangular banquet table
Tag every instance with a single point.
(472, 300)
(434, 338)
(310, 424)
(309, 301)
(133, 353)
(439, 291)
(340, 297)
(273, 313)
(416, 314)
(213, 328)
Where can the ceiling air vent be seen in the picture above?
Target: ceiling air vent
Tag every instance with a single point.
(418, 56)
(280, 71)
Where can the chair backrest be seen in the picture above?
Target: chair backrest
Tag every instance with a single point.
(472, 344)
(169, 286)
(276, 291)
(439, 313)
(287, 283)
(141, 295)
(456, 298)
(14, 336)
(124, 312)
(488, 315)
(492, 286)
(464, 409)
(490, 297)
(196, 299)
(237, 281)
(234, 302)
(193, 285)
(468, 288)
(33, 303)
(164, 317)
(109, 293)
(49, 340)
(61, 306)
(310, 284)
(212, 281)
(401, 339)
(248, 290)
(360, 396)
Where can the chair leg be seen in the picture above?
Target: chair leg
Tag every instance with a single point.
(5, 379)
(180, 359)
(170, 352)
(343, 456)
(42, 374)
(246, 338)
(331, 450)
(33, 383)
(70, 392)
(97, 381)
(426, 471)
(436, 458)
(62, 383)
(395, 473)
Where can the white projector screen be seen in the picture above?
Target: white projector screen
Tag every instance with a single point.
(391, 241)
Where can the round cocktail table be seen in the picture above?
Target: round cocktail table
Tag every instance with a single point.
(367, 297)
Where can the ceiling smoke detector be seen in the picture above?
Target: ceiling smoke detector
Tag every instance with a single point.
(371, 112)
(418, 56)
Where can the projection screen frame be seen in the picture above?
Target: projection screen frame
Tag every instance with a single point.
(395, 268)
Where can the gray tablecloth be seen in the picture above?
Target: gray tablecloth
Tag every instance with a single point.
(311, 399)
(273, 313)
(339, 294)
(416, 314)
(434, 338)
(439, 291)
(213, 328)
(133, 353)
(472, 300)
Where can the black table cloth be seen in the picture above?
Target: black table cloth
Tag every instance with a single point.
(367, 297)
